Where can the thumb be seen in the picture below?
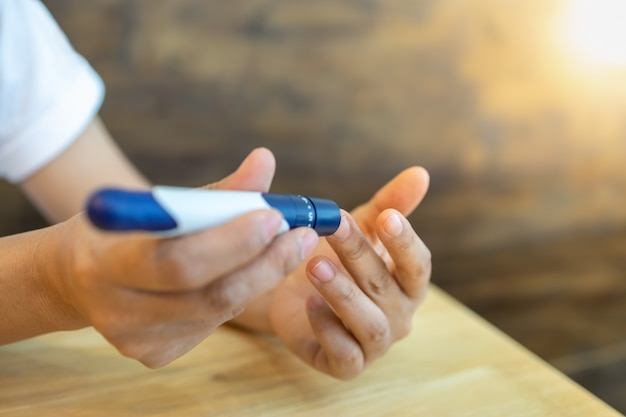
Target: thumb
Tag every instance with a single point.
(403, 193)
(255, 173)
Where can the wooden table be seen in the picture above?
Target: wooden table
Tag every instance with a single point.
(452, 364)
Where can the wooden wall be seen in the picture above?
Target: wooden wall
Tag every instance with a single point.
(524, 141)
(521, 144)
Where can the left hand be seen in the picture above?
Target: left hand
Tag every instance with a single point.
(358, 292)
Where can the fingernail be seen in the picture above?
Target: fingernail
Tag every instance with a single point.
(343, 231)
(393, 225)
(323, 271)
(308, 242)
(271, 225)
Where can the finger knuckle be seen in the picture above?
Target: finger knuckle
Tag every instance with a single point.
(424, 270)
(418, 272)
(358, 249)
(423, 254)
(378, 331)
(349, 294)
(379, 283)
(426, 258)
(348, 362)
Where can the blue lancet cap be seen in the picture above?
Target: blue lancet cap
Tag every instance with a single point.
(327, 216)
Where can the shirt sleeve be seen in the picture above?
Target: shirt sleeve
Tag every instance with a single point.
(48, 92)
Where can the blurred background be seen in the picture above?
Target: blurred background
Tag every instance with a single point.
(517, 109)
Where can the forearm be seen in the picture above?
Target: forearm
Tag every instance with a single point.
(30, 303)
(60, 188)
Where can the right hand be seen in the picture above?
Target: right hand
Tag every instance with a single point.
(155, 299)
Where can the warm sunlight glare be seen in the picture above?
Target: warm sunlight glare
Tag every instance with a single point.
(596, 30)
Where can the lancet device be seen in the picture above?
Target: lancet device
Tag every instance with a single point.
(175, 211)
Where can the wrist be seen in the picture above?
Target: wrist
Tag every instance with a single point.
(55, 256)
(31, 301)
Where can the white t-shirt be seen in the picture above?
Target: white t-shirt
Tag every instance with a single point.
(48, 93)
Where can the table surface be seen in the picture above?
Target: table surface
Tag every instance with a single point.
(452, 364)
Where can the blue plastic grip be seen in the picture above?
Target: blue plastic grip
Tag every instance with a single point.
(122, 210)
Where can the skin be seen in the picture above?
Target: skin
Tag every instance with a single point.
(337, 303)
(357, 293)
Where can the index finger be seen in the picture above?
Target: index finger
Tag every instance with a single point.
(193, 261)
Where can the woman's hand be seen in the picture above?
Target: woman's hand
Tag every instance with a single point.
(357, 295)
(154, 299)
